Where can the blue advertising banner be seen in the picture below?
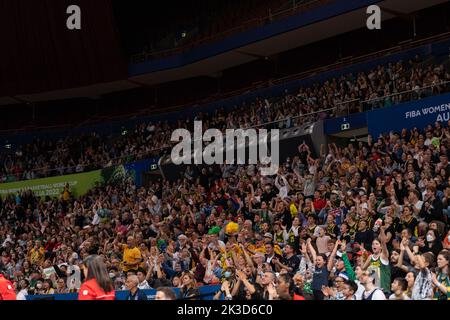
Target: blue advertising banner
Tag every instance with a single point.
(136, 168)
(409, 115)
(206, 293)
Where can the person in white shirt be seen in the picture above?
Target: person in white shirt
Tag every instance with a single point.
(22, 294)
(283, 187)
(371, 292)
(417, 204)
(399, 287)
(143, 284)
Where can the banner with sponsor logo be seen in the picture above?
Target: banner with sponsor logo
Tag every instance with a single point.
(408, 115)
(80, 183)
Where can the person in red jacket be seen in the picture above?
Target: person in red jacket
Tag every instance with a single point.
(98, 285)
(6, 289)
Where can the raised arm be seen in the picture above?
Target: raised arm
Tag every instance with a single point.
(384, 249)
(400, 257)
(311, 249)
(333, 255)
(248, 259)
(412, 257)
(366, 262)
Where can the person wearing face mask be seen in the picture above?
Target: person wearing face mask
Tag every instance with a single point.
(113, 273)
(431, 243)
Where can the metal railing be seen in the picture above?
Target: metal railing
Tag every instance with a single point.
(340, 109)
(269, 17)
(264, 84)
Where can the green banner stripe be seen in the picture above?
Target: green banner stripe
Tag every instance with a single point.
(79, 183)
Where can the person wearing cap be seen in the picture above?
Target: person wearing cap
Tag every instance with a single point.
(335, 293)
(214, 242)
(258, 246)
(268, 238)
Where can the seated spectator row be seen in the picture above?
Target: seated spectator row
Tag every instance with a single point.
(363, 221)
(380, 87)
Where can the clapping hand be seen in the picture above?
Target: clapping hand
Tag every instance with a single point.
(343, 246)
(225, 286)
(241, 275)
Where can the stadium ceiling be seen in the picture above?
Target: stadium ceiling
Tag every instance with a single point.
(265, 48)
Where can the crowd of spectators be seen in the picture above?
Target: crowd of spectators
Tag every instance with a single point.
(366, 221)
(381, 86)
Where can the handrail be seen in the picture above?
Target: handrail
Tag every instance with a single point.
(119, 160)
(297, 76)
(220, 35)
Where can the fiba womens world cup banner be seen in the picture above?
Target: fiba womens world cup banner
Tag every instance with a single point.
(79, 183)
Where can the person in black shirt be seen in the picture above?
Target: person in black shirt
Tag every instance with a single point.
(431, 243)
(204, 179)
(407, 221)
(363, 235)
(268, 194)
(247, 288)
(396, 271)
(344, 233)
(271, 257)
(290, 262)
(389, 230)
(432, 208)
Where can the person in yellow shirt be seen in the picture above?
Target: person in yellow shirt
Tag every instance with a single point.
(268, 238)
(132, 257)
(66, 193)
(37, 254)
(258, 246)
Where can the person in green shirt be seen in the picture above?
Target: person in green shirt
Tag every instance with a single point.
(379, 262)
(441, 280)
